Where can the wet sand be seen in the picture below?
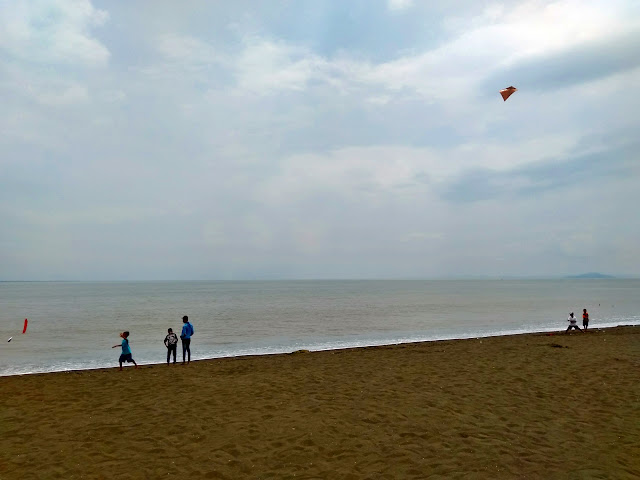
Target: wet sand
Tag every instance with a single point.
(525, 406)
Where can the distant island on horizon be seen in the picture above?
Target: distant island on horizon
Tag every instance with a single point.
(591, 275)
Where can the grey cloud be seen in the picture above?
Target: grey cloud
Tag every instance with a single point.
(548, 175)
(573, 66)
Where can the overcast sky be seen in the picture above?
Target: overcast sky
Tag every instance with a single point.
(318, 139)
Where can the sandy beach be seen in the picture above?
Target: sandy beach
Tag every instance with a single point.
(524, 406)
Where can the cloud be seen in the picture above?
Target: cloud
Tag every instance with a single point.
(519, 39)
(264, 66)
(261, 66)
(373, 172)
(579, 171)
(578, 64)
(349, 173)
(399, 5)
(278, 145)
(52, 32)
(528, 39)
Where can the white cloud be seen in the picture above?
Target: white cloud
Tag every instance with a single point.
(262, 66)
(499, 36)
(405, 171)
(399, 5)
(478, 47)
(266, 65)
(57, 31)
(349, 172)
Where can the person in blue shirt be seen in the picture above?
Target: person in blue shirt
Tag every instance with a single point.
(126, 350)
(187, 331)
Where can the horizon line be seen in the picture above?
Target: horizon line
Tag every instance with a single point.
(292, 279)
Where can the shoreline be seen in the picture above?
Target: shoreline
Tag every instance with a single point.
(330, 349)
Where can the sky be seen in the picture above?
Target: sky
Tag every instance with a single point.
(162, 140)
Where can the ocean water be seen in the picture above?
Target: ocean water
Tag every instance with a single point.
(74, 325)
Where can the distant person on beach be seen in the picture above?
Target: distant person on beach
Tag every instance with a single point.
(187, 331)
(572, 323)
(126, 350)
(585, 318)
(171, 342)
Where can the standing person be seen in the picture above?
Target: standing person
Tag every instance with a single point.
(187, 331)
(572, 323)
(585, 318)
(171, 342)
(126, 350)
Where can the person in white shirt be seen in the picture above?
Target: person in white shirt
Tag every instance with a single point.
(171, 342)
(572, 323)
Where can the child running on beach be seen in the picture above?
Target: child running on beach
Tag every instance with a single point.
(171, 342)
(126, 350)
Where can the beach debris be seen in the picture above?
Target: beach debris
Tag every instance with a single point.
(557, 345)
(24, 329)
(299, 351)
(507, 92)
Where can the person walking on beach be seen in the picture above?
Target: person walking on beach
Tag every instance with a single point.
(572, 323)
(585, 318)
(126, 350)
(171, 342)
(187, 331)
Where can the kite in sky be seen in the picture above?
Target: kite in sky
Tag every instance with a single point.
(506, 93)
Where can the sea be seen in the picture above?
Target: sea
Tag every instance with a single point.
(73, 325)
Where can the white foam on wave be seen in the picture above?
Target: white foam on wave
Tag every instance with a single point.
(241, 350)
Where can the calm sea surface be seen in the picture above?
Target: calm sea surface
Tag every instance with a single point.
(73, 325)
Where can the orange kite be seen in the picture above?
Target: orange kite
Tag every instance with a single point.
(506, 93)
